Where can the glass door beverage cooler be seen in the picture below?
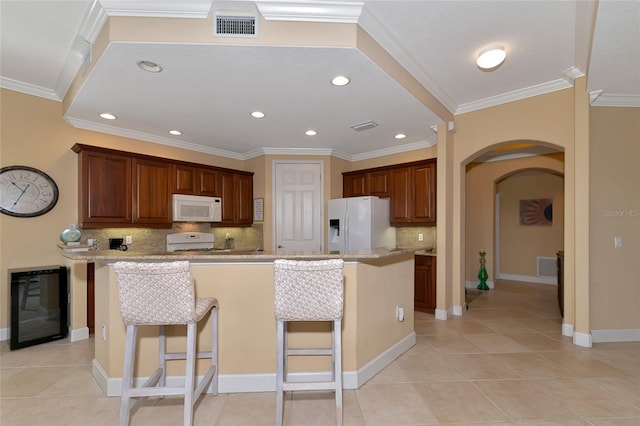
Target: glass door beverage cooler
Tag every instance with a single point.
(39, 305)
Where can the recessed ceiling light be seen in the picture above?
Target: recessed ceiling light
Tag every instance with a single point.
(108, 116)
(310, 133)
(491, 57)
(175, 132)
(149, 66)
(400, 136)
(257, 114)
(340, 80)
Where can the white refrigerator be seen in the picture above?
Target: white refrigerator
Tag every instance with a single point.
(360, 223)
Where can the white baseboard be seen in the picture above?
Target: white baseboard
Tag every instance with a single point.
(457, 310)
(582, 339)
(5, 334)
(621, 335)
(567, 329)
(79, 334)
(240, 383)
(474, 284)
(376, 365)
(441, 314)
(529, 279)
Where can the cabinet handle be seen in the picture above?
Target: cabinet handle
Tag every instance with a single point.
(280, 246)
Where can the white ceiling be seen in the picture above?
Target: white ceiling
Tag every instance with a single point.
(208, 90)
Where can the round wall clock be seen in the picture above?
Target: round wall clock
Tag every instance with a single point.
(26, 192)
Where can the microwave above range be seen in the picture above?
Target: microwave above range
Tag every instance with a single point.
(195, 208)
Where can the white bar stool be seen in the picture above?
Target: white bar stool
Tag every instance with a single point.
(308, 291)
(164, 294)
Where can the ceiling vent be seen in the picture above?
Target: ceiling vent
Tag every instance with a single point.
(236, 26)
(364, 126)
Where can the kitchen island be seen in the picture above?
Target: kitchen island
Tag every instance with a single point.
(375, 283)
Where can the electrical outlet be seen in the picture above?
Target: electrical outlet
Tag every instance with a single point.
(399, 313)
(420, 237)
(617, 242)
(128, 239)
(104, 332)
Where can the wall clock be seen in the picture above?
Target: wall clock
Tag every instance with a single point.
(26, 192)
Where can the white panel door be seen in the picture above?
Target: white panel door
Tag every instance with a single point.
(298, 206)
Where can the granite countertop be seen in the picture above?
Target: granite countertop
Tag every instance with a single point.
(427, 252)
(234, 255)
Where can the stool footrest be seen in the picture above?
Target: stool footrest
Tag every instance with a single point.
(204, 382)
(183, 355)
(309, 352)
(296, 386)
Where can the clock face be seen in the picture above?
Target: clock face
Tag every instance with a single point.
(26, 192)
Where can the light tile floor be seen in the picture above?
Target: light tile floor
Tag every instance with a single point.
(504, 362)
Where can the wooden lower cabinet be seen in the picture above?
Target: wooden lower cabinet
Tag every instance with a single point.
(425, 284)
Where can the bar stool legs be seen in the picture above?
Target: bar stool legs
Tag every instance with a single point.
(283, 353)
(190, 392)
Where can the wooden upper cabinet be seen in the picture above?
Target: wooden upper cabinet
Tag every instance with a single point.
(244, 199)
(104, 189)
(152, 192)
(184, 179)
(401, 196)
(192, 180)
(237, 199)
(355, 185)
(227, 192)
(208, 182)
(411, 188)
(364, 183)
(424, 193)
(379, 185)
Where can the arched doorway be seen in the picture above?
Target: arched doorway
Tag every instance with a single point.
(531, 164)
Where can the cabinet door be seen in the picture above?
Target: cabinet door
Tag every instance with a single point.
(105, 192)
(152, 192)
(228, 198)
(401, 196)
(379, 183)
(244, 189)
(208, 182)
(425, 284)
(184, 179)
(355, 185)
(424, 194)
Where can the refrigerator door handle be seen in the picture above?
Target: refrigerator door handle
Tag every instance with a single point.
(345, 220)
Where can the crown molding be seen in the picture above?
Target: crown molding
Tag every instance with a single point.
(572, 73)
(516, 95)
(332, 152)
(158, 9)
(614, 100)
(429, 142)
(29, 89)
(117, 131)
(311, 11)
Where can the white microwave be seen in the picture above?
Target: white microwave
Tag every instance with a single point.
(195, 208)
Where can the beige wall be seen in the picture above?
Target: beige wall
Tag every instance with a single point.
(520, 245)
(480, 182)
(615, 211)
(547, 120)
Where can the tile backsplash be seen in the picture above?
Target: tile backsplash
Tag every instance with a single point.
(154, 240)
(407, 237)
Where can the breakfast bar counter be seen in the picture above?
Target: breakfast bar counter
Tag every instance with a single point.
(376, 282)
